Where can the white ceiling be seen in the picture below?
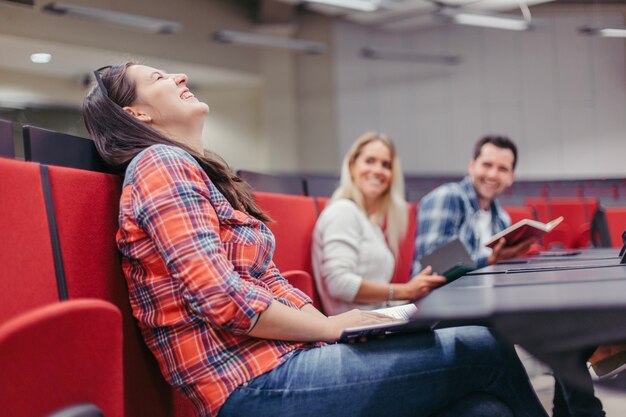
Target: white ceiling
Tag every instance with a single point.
(78, 62)
(402, 15)
(71, 61)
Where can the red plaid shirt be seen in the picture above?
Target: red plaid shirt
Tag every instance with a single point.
(199, 274)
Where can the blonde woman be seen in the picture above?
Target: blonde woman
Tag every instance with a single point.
(356, 237)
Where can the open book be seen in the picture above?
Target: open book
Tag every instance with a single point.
(522, 230)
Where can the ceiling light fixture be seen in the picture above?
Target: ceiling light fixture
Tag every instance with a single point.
(603, 32)
(253, 39)
(410, 56)
(490, 21)
(148, 24)
(40, 58)
(487, 20)
(357, 5)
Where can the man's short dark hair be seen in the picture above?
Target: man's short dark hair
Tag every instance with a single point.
(500, 141)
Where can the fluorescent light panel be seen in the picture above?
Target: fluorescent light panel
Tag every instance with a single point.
(612, 33)
(603, 32)
(40, 58)
(125, 19)
(358, 5)
(253, 39)
(490, 21)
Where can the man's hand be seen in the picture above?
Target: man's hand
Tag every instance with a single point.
(502, 252)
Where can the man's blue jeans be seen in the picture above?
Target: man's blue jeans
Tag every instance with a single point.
(461, 372)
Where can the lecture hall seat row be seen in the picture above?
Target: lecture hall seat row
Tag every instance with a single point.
(610, 192)
(61, 223)
(68, 218)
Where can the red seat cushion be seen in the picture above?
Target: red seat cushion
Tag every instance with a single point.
(616, 222)
(294, 219)
(573, 232)
(28, 278)
(404, 261)
(86, 205)
(64, 353)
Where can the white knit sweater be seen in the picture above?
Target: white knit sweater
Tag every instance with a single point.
(348, 248)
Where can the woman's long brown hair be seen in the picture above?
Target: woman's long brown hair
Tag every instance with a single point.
(119, 137)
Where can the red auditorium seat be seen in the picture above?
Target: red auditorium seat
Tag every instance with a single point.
(27, 279)
(294, 220)
(616, 222)
(86, 208)
(404, 262)
(574, 231)
(518, 213)
(61, 354)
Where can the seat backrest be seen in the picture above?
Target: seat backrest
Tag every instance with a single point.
(86, 206)
(321, 185)
(616, 222)
(518, 213)
(294, 219)
(578, 213)
(27, 275)
(270, 183)
(55, 148)
(404, 261)
(321, 203)
(63, 353)
(7, 148)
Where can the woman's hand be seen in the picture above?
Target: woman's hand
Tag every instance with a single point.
(419, 286)
(353, 318)
(281, 322)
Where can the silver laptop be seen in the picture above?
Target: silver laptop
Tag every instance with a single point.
(406, 316)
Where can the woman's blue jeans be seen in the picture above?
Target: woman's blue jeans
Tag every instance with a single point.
(461, 372)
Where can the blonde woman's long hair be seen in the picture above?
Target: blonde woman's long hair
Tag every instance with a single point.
(394, 206)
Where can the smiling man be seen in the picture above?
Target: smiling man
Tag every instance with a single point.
(468, 209)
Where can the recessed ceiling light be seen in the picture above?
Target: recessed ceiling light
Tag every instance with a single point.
(41, 58)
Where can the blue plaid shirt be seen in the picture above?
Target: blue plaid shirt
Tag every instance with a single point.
(451, 211)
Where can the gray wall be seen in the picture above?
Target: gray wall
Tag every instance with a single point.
(561, 96)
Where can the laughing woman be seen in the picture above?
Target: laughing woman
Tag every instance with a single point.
(225, 327)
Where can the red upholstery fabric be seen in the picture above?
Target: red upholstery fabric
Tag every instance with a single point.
(64, 353)
(27, 277)
(573, 232)
(404, 262)
(616, 221)
(304, 282)
(294, 220)
(321, 203)
(181, 406)
(86, 206)
(518, 213)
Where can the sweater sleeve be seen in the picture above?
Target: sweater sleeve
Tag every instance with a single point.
(340, 232)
